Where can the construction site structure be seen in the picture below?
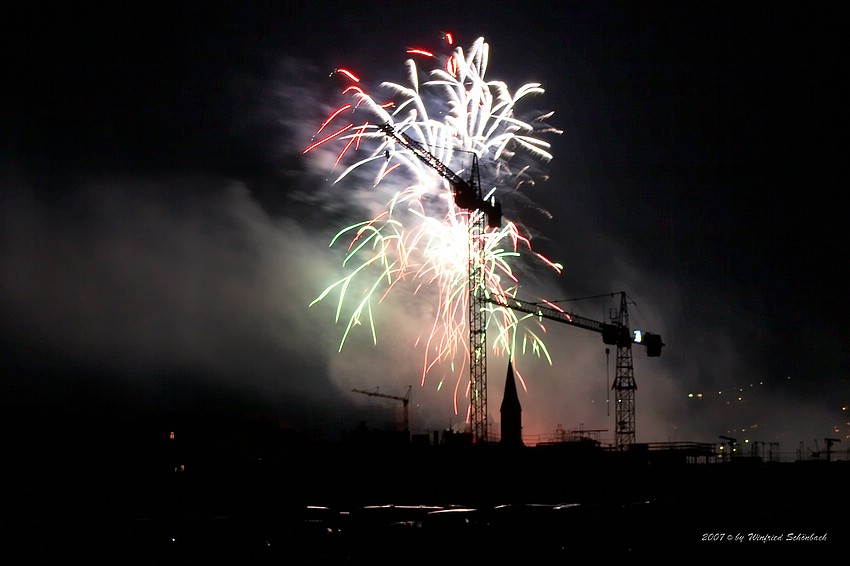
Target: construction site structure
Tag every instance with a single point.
(405, 402)
(829, 442)
(488, 213)
(616, 333)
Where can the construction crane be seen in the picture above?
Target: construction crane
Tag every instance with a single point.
(616, 333)
(405, 401)
(467, 195)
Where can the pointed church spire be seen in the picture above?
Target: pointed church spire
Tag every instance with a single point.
(511, 411)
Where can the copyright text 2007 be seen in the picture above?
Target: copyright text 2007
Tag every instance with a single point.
(764, 537)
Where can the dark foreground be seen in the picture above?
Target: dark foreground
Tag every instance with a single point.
(339, 505)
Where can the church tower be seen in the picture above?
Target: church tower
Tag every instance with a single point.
(511, 412)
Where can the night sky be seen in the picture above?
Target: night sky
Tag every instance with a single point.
(162, 236)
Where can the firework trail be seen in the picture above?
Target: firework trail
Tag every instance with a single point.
(420, 237)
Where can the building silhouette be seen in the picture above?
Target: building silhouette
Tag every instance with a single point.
(511, 412)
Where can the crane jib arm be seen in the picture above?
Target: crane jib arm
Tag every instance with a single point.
(464, 193)
(548, 312)
(612, 334)
(424, 155)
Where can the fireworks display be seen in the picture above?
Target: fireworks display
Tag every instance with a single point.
(420, 237)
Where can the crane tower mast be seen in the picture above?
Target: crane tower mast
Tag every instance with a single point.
(467, 195)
